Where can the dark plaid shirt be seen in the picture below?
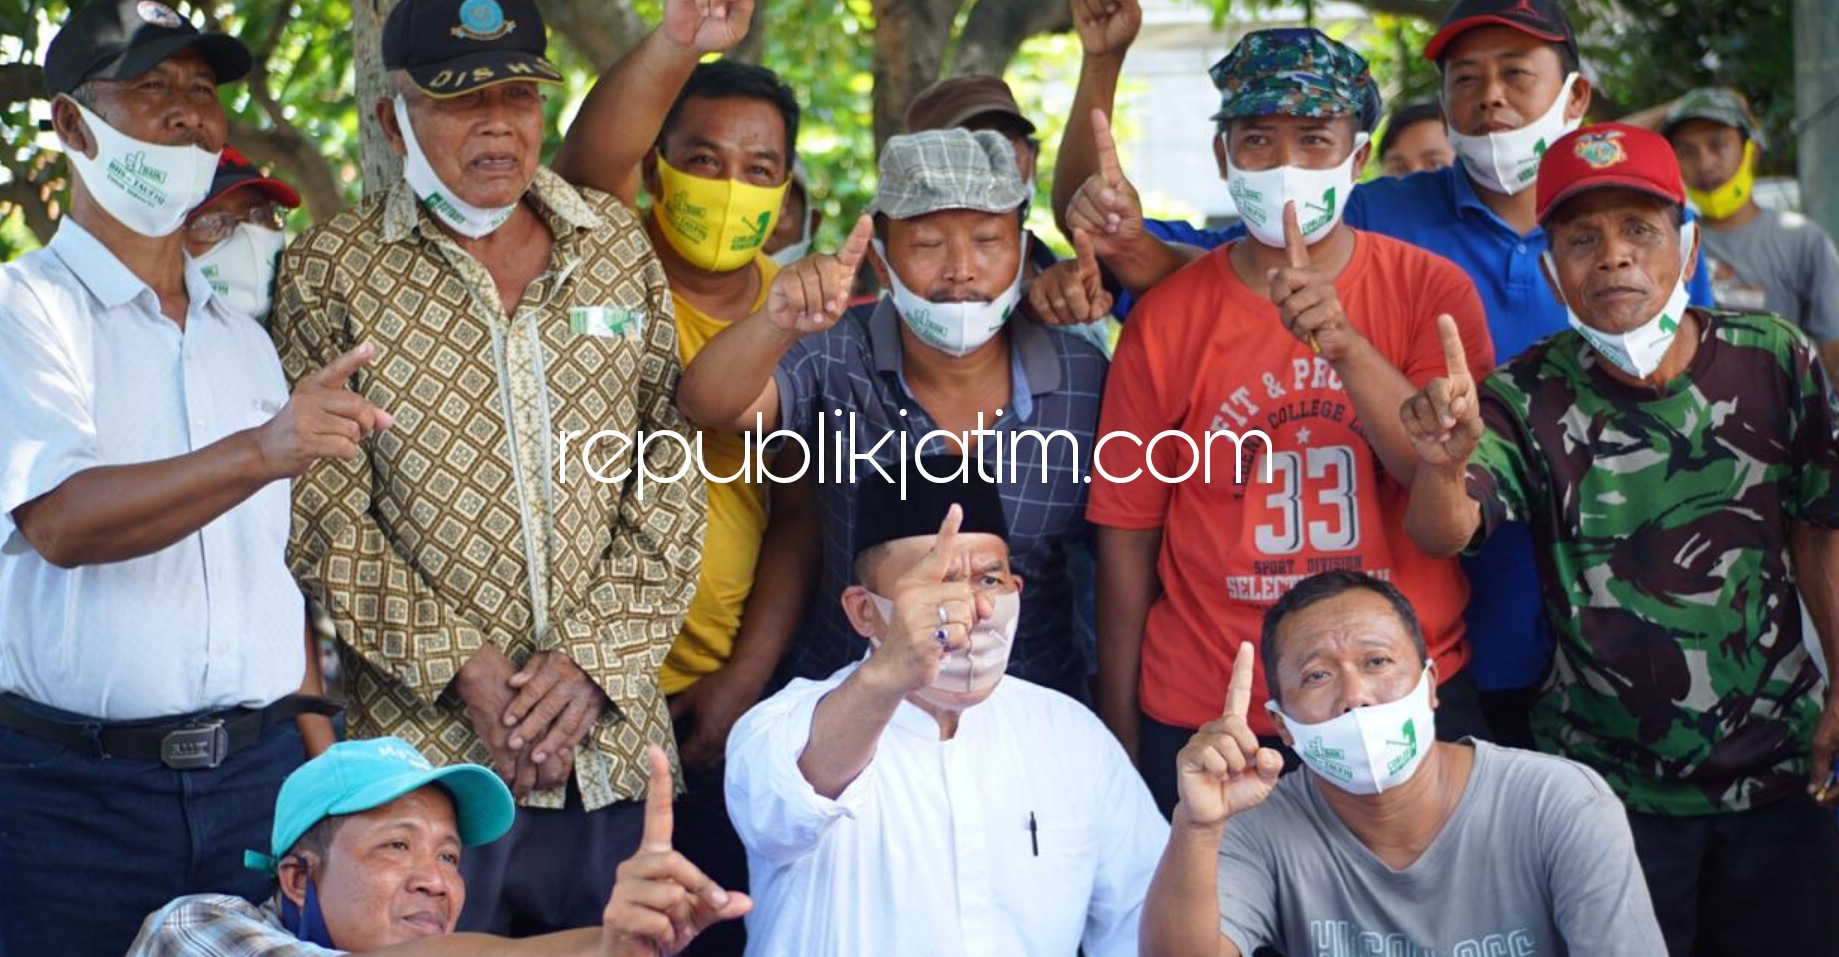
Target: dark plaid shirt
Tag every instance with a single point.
(855, 367)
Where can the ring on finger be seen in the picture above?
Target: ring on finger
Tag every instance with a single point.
(941, 637)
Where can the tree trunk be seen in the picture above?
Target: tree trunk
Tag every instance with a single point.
(910, 38)
(602, 31)
(1816, 104)
(753, 45)
(996, 28)
(297, 161)
(380, 165)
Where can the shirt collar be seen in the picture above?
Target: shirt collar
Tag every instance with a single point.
(99, 269)
(109, 280)
(560, 204)
(1462, 193)
(1034, 359)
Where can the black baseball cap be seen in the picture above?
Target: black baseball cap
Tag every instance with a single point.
(1543, 19)
(121, 39)
(450, 47)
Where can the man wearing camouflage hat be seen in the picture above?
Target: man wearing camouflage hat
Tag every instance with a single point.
(493, 604)
(1512, 84)
(1680, 469)
(1300, 341)
(939, 352)
(1758, 259)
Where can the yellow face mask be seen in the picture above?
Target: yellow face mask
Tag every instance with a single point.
(715, 224)
(1729, 199)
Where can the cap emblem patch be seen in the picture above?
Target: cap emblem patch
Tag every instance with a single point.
(1601, 150)
(483, 20)
(159, 14)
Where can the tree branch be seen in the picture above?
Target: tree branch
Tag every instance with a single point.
(20, 82)
(602, 31)
(1430, 11)
(753, 45)
(996, 28)
(298, 161)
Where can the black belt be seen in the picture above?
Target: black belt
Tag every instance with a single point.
(192, 742)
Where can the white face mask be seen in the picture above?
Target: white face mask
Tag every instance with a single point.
(1320, 196)
(1640, 350)
(976, 668)
(147, 187)
(954, 328)
(446, 205)
(241, 269)
(1368, 750)
(1509, 162)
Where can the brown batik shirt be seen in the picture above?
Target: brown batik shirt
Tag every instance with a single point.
(471, 520)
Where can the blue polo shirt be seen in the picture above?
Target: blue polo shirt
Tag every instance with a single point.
(1439, 211)
(855, 368)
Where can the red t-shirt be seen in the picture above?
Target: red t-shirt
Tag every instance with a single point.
(1203, 353)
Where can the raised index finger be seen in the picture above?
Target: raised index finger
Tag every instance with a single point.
(339, 370)
(1293, 237)
(856, 246)
(1088, 260)
(1454, 358)
(937, 563)
(658, 819)
(1239, 693)
(1109, 169)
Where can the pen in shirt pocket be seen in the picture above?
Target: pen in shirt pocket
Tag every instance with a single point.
(1034, 835)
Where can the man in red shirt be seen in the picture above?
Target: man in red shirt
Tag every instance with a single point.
(1282, 360)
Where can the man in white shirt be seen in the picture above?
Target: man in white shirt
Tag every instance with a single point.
(918, 802)
(153, 636)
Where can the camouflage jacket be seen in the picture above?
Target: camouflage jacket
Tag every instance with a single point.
(1661, 518)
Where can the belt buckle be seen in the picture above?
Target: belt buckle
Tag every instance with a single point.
(200, 747)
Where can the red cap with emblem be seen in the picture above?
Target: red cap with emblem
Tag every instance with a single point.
(1606, 155)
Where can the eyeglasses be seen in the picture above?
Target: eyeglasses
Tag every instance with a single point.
(212, 228)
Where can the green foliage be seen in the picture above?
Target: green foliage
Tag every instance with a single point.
(1651, 51)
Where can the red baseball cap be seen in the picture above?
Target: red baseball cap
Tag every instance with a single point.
(1608, 155)
(234, 171)
(1542, 19)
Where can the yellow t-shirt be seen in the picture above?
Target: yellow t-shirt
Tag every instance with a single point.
(737, 521)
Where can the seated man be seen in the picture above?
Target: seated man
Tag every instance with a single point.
(1391, 842)
(367, 841)
(1678, 468)
(918, 802)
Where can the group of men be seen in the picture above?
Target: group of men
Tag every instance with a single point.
(1400, 568)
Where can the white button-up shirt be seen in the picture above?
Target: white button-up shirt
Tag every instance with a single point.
(1028, 834)
(92, 374)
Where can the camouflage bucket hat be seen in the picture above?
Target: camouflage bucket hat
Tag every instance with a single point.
(1295, 72)
(1715, 104)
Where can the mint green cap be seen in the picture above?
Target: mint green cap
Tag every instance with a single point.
(352, 777)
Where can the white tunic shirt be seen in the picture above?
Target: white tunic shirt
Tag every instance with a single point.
(92, 374)
(930, 852)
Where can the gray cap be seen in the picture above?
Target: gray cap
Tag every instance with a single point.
(947, 169)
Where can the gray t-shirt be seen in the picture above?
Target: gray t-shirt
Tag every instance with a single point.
(1536, 860)
(1778, 262)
